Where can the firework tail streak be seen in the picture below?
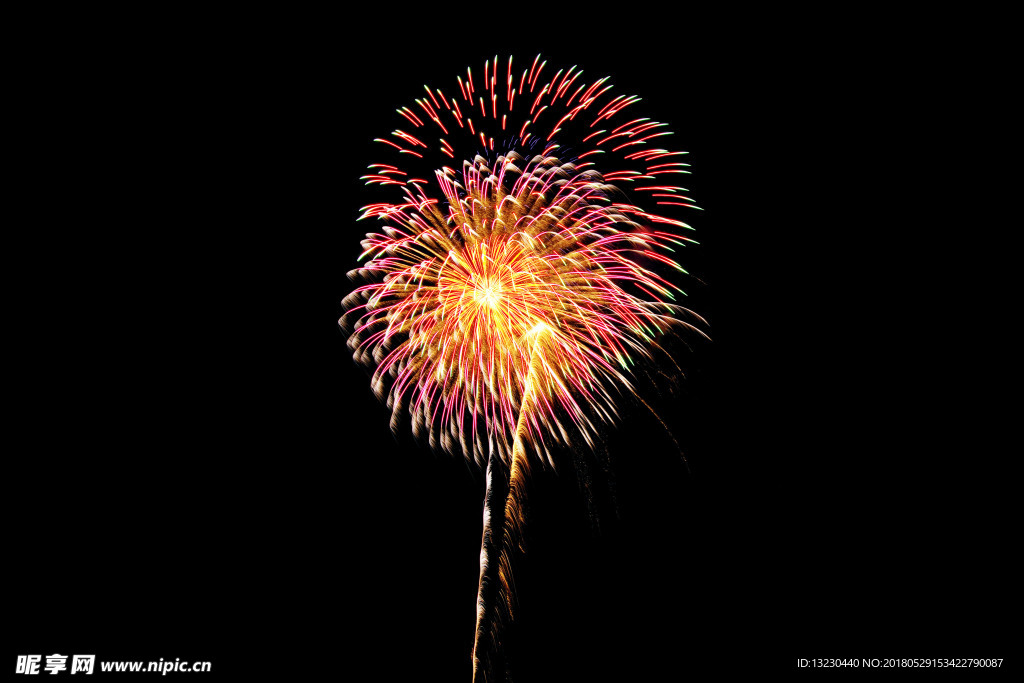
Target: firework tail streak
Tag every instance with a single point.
(505, 314)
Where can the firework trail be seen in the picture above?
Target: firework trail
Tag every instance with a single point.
(512, 287)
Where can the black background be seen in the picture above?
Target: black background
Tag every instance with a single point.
(200, 471)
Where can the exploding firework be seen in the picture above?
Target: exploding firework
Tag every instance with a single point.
(512, 289)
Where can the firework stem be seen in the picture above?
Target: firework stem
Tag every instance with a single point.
(503, 526)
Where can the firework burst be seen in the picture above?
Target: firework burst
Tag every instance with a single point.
(512, 289)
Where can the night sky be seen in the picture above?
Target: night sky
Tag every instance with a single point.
(202, 472)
